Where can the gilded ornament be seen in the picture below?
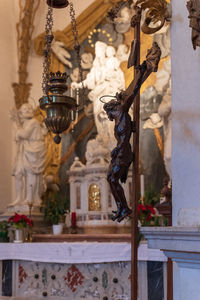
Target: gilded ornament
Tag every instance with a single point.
(94, 197)
(157, 11)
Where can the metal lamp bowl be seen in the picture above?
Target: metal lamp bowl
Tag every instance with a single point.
(58, 3)
(57, 108)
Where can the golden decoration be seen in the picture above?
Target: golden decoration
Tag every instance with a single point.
(98, 30)
(24, 29)
(94, 197)
(159, 141)
(157, 11)
(146, 43)
(56, 65)
(53, 151)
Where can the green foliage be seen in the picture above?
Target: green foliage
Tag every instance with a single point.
(156, 221)
(4, 225)
(54, 208)
(151, 197)
(165, 221)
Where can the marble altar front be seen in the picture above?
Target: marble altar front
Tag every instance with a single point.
(87, 270)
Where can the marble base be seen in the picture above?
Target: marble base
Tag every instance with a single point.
(182, 245)
(189, 217)
(179, 239)
(11, 209)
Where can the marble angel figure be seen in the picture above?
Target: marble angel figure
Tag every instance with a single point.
(30, 156)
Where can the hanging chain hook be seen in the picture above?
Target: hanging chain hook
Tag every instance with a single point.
(47, 50)
(76, 45)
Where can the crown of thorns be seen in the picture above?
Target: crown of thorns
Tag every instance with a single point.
(108, 96)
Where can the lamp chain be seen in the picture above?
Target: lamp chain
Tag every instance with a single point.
(77, 45)
(47, 50)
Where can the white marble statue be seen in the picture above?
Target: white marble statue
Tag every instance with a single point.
(104, 78)
(123, 52)
(30, 156)
(163, 77)
(96, 152)
(122, 23)
(153, 122)
(162, 38)
(163, 85)
(86, 60)
(60, 51)
(164, 111)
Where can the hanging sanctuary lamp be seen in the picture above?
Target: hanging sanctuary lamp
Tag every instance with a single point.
(55, 102)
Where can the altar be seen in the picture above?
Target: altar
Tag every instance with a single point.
(79, 270)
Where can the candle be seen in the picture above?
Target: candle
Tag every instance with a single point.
(72, 113)
(73, 219)
(142, 185)
(77, 96)
(71, 92)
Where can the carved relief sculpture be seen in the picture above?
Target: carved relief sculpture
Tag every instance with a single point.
(193, 7)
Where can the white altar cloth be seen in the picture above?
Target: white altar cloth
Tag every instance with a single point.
(77, 252)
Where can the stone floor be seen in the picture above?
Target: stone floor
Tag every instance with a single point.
(13, 298)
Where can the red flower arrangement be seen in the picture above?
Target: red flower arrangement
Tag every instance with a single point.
(20, 221)
(145, 213)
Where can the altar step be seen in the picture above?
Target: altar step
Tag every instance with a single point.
(82, 238)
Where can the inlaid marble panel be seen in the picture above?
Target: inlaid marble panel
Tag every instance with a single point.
(69, 281)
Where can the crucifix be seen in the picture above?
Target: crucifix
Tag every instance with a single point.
(117, 110)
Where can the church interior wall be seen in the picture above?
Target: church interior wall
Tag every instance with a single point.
(8, 62)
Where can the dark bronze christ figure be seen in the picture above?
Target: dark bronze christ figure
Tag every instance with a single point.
(117, 111)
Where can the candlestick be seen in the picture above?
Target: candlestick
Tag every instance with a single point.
(71, 92)
(142, 186)
(77, 96)
(30, 205)
(72, 113)
(73, 222)
(73, 219)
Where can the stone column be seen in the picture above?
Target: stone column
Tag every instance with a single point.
(182, 241)
(185, 120)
